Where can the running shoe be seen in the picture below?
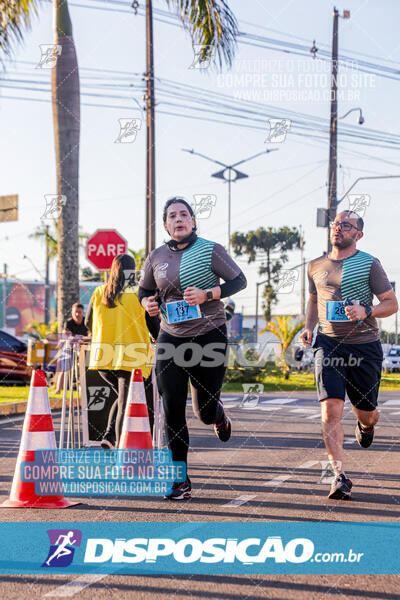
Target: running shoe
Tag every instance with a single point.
(340, 488)
(364, 436)
(108, 442)
(223, 429)
(180, 490)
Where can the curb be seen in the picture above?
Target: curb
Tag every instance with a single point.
(16, 408)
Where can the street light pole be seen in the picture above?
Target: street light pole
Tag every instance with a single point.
(256, 325)
(229, 209)
(364, 178)
(229, 173)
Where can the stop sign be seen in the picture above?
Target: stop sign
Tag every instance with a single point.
(103, 246)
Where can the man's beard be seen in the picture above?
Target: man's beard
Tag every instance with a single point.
(343, 243)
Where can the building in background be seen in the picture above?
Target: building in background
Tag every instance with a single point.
(25, 303)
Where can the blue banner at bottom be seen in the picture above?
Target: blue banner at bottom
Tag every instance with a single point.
(206, 547)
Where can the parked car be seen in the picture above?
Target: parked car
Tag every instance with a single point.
(391, 361)
(13, 354)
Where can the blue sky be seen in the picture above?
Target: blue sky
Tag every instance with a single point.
(283, 188)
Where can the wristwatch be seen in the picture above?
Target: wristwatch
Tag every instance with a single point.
(368, 310)
(209, 295)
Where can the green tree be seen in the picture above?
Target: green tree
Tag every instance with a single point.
(89, 274)
(285, 328)
(272, 247)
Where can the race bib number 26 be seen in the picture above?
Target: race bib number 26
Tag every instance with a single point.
(335, 311)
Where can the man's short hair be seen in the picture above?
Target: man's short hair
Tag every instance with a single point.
(360, 220)
(78, 305)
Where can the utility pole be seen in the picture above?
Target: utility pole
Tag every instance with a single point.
(46, 282)
(333, 126)
(4, 295)
(303, 275)
(150, 135)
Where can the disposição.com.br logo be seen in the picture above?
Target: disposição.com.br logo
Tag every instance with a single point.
(62, 547)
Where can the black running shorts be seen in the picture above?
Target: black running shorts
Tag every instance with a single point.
(352, 368)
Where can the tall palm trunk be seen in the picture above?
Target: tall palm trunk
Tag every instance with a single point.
(66, 115)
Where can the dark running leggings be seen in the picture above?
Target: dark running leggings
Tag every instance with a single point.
(119, 383)
(206, 382)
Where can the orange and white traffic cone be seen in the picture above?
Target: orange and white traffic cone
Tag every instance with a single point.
(136, 426)
(37, 434)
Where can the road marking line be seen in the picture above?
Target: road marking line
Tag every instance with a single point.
(281, 478)
(280, 400)
(277, 480)
(76, 585)
(314, 416)
(396, 413)
(390, 403)
(351, 441)
(261, 407)
(240, 500)
(308, 464)
(302, 410)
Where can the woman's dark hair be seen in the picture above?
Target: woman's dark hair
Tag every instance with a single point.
(122, 274)
(178, 200)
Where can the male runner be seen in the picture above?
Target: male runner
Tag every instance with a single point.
(347, 351)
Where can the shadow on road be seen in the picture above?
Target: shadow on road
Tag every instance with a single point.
(260, 584)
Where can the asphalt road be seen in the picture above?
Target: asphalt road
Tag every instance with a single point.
(270, 470)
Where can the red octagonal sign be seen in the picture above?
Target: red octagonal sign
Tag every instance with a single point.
(103, 246)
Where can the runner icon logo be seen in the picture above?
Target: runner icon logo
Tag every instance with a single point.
(128, 129)
(49, 55)
(203, 205)
(251, 394)
(54, 206)
(202, 56)
(62, 547)
(359, 203)
(328, 470)
(97, 397)
(162, 271)
(130, 281)
(278, 129)
(287, 280)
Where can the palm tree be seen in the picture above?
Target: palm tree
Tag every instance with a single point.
(285, 329)
(66, 116)
(14, 16)
(66, 113)
(212, 26)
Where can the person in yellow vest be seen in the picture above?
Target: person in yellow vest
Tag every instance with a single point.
(120, 339)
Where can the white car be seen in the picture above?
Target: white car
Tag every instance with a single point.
(391, 361)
